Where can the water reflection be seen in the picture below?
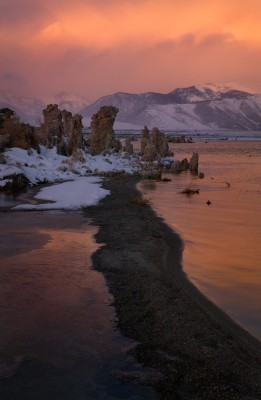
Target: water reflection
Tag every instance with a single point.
(7, 200)
(222, 252)
(58, 338)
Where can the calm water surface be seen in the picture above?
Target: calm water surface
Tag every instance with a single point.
(222, 254)
(58, 336)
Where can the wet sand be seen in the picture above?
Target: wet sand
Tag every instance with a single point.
(196, 350)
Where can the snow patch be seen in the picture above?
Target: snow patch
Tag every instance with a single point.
(49, 167)
(81, 192)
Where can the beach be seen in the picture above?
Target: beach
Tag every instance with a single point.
(196, 350)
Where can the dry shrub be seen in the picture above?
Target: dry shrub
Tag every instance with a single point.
(139, 201)
(189, 191)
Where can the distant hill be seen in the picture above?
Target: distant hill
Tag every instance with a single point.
(209, 106)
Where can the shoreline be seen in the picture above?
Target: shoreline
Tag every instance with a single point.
(196, 350)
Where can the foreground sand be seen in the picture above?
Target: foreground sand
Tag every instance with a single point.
(195, 351)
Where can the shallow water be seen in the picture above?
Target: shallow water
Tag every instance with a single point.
(58, 337)
(222, 241)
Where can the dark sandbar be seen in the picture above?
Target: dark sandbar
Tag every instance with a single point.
(196, 350)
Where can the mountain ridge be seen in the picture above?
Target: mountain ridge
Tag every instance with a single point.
(206, 107)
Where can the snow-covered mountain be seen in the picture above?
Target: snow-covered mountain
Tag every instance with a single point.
(196, 107)
(30, 109)
(203, 107)
(70, 102)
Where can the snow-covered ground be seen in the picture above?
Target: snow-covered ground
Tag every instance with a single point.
(49, 167)
(81, 192)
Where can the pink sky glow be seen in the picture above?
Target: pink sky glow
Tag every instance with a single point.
(98, 47)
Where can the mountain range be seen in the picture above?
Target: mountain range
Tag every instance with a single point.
(209, 106)
(30, 109)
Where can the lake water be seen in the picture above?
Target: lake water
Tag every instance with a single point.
(58, 337)
(222, 253)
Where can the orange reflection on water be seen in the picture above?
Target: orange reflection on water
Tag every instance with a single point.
(222, 252)
(52, 302)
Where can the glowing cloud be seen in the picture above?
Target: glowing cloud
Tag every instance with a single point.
(142, 44)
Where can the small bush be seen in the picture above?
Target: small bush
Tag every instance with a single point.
(139, 201)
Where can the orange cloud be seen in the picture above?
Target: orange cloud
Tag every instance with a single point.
(141, 44)
(109, 23)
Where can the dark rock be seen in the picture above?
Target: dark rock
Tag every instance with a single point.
(102, 134)
(17, 183)
(75, 139)
(193, 163)
(145, 139)
(128, 146)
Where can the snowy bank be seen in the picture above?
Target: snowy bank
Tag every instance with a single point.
(50, 167)
(81, 192)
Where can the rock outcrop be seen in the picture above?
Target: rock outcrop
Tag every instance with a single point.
(67, 122)
(193, 163)
(24, 137)
(150, 153)
(145, 139)
(61, 129)
(160, 142)
(4, 142)
(128, 146)
(102, 134)
(15, 183)
(51, 131)
(75, 139)
(178, 166)
(14, 133)
(175, 166)
(154, 146)
(179, 139)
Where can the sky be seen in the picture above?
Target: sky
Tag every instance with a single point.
(93, 48)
